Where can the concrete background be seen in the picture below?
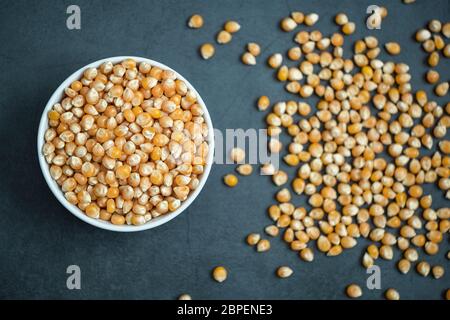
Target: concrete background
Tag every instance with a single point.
(39, 238)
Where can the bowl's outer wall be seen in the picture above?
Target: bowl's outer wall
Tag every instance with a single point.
(43, 126)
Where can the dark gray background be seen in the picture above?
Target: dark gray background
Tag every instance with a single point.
(39, 238)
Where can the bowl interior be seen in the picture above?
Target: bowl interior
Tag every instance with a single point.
(54, 187)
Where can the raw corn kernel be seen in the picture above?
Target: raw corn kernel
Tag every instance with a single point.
(223, 37)
(220, 274)
(195, 21)
(185, 296)
(354, 291)
(248, 59)
(393, 48)
(207, 51)
(284, 272)
(230, 180)
(392, 294)
(237, 155)
(263, 103)
(254, 48)
(244, 169)
(232, 26)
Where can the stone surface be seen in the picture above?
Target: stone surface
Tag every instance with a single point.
(39, 238)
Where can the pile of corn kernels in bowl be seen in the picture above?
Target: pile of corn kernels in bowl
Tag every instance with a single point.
(127, 143)
(363, 152)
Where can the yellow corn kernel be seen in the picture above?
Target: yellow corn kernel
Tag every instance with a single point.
(230, 180)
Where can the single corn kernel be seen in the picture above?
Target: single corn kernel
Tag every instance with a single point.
(283, 73)
(230, 180)
(284, 195)
(195, 21)
(263, 245)
(354, 291)
(272, 230)
(446, 30)
(254, 48)
(292, 160)
(307, 254)
(237, 155)
(245, 169)
(185, 296)
(92, 211)
(288, 24)
(298, 17)
(263, 103)
(53, 115)
(404, 266)
(423, 268)
(220, 274)
(393, 48)
(295, 53)
(392, 294)
(435, 26)
(383, 12)
(207, 51)
(433, 59)
(349, 28)
(432, 76)
(423, 35)
(284, 272)
(253, 239)
(438, 272)
(311, 19)
(248, 59)
(275, 60)
(280, 178)
(232, 26)
(341, 19)
(223, 37)
(117, 219)
(442, 89)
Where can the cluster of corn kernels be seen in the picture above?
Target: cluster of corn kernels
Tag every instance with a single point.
(363, 153)
(127, 142)
(433, 43)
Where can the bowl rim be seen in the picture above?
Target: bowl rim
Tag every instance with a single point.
(54, 187)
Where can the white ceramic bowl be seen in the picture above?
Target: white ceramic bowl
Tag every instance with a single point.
(54, 187)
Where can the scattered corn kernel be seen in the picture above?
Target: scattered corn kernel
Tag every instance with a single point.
(275, 60)
(263, 103)
(248, 58)
(195, 21)
(354, 291)
(253, 239)
(207, 51)
(437, 272)
(263, 245)
(230, 180)
(423, 268)
(244, 169)
(392, 294)
(232, 26)
(284, 272)
(223, 37)
(254, 48)
(288, 24)
(393, 48)
(311, 19)
(237, 155)
(185, 296)
(220, 274)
